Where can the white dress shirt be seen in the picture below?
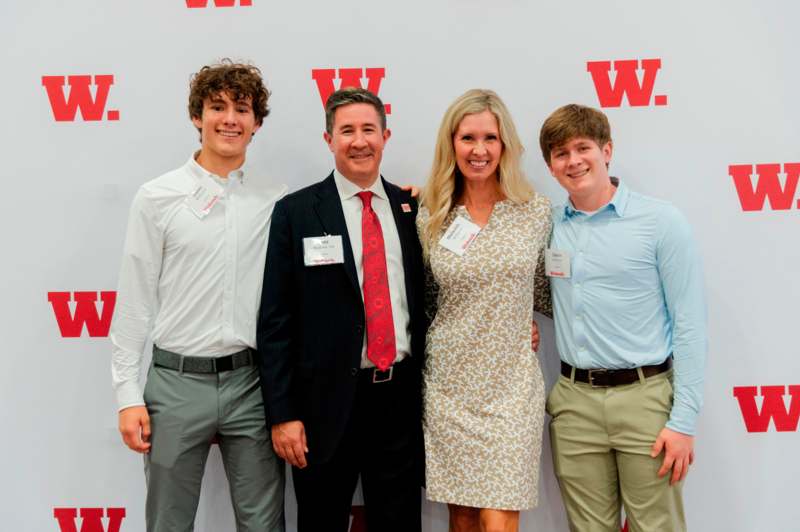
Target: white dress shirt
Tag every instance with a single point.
(193, 281)
(353, 208)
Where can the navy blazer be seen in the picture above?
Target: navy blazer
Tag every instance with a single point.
(311, 323)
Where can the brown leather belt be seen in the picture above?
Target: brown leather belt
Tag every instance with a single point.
(606, 378)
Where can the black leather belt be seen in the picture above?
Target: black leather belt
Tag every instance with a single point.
(376, 376)
(606, 378)
(187, 364)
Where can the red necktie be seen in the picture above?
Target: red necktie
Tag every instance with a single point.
(381, 349)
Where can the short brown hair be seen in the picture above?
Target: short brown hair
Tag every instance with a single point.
(573, 121)
(239, 80)
(350, 96)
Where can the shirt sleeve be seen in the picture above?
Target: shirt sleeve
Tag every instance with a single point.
(136, 299)
(682, 281)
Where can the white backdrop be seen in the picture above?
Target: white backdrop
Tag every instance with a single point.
(728, 70)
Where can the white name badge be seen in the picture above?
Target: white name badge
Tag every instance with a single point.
(459, 235)
(556, 263)
(201, 201)
(321, 250)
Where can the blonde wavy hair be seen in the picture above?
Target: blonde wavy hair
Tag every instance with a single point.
(445, 182)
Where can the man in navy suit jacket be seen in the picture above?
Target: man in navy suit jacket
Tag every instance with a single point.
(335, 410)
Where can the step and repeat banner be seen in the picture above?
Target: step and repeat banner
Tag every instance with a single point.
(702, 98)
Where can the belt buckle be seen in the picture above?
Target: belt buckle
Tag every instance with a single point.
(592, 373)
(376, 380)
(223, 363)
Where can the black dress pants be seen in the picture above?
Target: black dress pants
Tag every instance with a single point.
(382, 443)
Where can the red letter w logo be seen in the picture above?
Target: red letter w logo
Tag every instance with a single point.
(92, 519)
(80, 96)
(218, 3)
(772, 407)
(626, 82)
(767, 185)
(350, 77)
(71, 325)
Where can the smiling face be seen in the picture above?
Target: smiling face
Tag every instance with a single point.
(580, 166)
(477, 146)
(226, 127)
(356, 141)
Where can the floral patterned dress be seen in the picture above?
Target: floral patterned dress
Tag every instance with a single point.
(484, 391)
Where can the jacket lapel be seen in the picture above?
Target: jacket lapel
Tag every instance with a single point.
(328, 207)
(408, 236)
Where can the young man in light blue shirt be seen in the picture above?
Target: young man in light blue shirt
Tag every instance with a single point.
(630, 330)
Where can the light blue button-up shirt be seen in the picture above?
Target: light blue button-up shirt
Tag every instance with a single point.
(635, 294)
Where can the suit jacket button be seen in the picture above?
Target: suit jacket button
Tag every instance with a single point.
(359, 329)
(353, 371)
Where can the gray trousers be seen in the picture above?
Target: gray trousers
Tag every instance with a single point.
(187, 410)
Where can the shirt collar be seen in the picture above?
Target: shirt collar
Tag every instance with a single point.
(618, 203)
(199, 172)
(347, 189)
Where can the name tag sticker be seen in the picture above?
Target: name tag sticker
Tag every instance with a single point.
(459, 235)
(201, 201)
(321, 250)
(556, 263)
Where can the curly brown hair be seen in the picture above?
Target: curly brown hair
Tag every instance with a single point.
(239, 80)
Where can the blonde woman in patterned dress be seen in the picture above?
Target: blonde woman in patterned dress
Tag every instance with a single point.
(484, 392)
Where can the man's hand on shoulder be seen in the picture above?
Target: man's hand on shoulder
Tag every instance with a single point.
(134, 425)
(289, 442)
(411, 189)
(678, 453)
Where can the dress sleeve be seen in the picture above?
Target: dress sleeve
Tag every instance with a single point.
(542, 300)
(431, 287)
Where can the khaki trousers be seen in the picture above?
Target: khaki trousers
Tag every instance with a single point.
(601, 440)
(187, 410)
